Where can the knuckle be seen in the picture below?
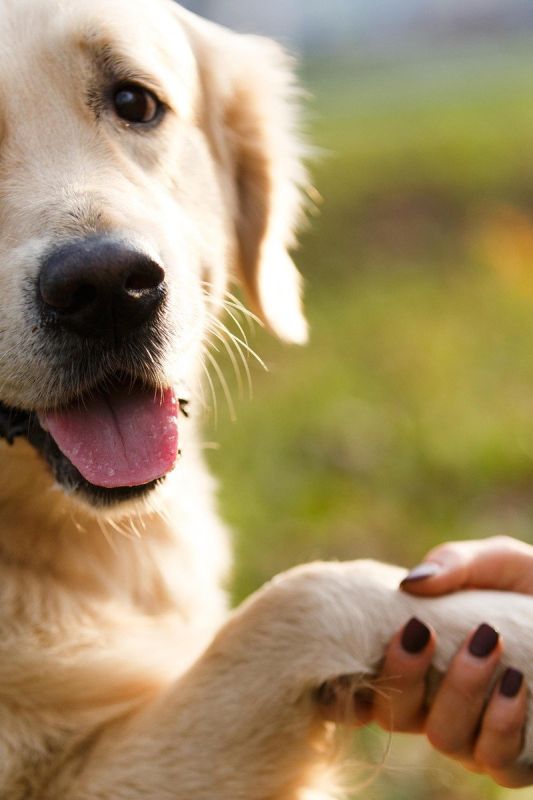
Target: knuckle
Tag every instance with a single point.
(502, 540)
(467, 688)
(400, 678)
(503, 727)
(492, 760)
(512, 779)
(442, 741)
(398, 716)
(498, 764)
(447, 549)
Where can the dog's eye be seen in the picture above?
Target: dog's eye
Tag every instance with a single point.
(134, 103)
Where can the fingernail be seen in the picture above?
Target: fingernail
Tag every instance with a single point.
(484, 641)
(511, 682)
(415, 636)
(421, 573)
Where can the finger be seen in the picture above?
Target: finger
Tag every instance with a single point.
(454, 717)
(401, 688)
(515, 778)
(500, 739)
(499, 563)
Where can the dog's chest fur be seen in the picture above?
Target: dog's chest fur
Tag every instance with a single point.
(96, 617)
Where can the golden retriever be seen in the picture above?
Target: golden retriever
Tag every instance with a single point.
(147, 159)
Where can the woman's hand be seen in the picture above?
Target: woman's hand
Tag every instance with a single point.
(484, 737)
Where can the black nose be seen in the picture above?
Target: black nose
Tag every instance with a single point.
(100, 287)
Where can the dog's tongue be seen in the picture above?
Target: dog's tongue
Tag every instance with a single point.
(125, 438)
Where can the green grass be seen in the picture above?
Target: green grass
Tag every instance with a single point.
(409, 418)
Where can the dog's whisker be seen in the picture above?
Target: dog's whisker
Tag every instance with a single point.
(224, 384)
(244, 341)
(159, 510)
(209, 445)
(236, 302)
(224, 335)
(135, 530)
(239, 306)
(223, 332)
(231, 306)
(249, 350)
(107, 535)
(140, 519)
(237, 323)
(235, 364)
(213, 393)
(230, 300)
(77, 524)
(124, 532)
(212, 345)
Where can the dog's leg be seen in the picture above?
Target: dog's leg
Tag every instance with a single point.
(244, 722)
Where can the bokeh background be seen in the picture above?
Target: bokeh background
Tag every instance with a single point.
(409, 418)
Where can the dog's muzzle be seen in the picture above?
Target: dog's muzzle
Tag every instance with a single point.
(114, 435)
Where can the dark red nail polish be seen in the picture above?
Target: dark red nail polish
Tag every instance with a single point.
(415, 636)
(511, 682)
(484, 641)
(421, 573)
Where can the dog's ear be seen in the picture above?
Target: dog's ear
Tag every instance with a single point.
(251, 112)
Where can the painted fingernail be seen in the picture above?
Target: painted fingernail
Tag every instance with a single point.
(511, 682)
(421, 573)
(415, 636)
(484, 641)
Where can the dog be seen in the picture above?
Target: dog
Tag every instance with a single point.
(149, 159)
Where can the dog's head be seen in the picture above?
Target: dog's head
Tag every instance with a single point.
(147, 158)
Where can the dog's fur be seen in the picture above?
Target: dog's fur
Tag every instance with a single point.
(120, 676)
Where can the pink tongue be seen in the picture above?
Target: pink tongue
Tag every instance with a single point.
(121, 439)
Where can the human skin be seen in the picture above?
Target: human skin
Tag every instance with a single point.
(485, 737)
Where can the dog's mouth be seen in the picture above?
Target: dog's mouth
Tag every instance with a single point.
(114, 443)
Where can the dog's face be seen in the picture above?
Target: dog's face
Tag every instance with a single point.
(147, 158)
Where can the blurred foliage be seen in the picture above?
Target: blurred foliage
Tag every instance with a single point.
(409, 418)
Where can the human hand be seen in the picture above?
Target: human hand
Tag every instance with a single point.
(484, 735)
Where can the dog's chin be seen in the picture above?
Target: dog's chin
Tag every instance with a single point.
(15, 424)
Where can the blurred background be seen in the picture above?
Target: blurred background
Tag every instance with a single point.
(408, 420)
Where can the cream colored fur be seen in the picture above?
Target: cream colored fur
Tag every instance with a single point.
(122, 675)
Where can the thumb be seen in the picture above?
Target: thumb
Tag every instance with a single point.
(499, 563)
